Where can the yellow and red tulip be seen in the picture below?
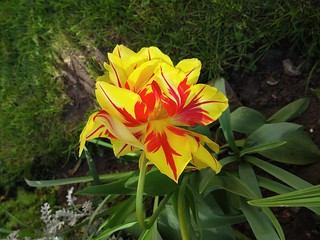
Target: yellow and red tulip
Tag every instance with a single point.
(146, 104)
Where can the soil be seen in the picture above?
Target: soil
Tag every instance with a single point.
(274, 84)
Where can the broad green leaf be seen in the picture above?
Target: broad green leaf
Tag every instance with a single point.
(290, 111)
(224, 120)
(116, 187)
(225, 181)
(107, 233)
(270, 133)
(299, 148)
(118, 214)
(153, 178)
(259, 222)
(281, 174)
(225, 161)
(248, 176)
(57, 182)
(274, 222)
(246, 120)
(151, 233)
(299, 198)
(273, 185)
(261, 147)
(212, 216)
(204, 130)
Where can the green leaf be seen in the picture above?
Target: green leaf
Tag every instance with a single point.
(246, 120)
(116, 187)
(248, 176)
(259, 222)
(151, 233)
(273, 185)
(281, 174)
(308, 197)
(58, 182)
(225, 181)
(299, 148)
(118, 214)
(290, 111)
(106, 234)
(262, 147)
(151, 187)
(274, 222)
(204, 130)
(224, 120)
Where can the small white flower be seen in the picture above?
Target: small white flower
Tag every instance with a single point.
(70, 198)
(13, 236)
(87, 207)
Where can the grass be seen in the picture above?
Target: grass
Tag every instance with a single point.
(224, 35)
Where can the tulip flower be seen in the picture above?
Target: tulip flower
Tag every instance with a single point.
(148, 104)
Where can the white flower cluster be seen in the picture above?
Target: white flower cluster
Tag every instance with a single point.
(55, 221)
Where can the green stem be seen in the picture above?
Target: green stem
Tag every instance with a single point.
(139, 198)
(181, 210)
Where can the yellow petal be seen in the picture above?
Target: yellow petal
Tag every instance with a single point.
(139, 78)
(121, 148)
(121, 103)
(153, 53)
(123, 52)
(169, 148)
(117, 70)
(202, 159)
(117, 129)
(92, 130)
(190, 67)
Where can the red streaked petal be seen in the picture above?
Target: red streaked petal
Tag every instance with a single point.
(169, 148)
(204, 105)
(92, 130)
(121, 103)
(118, 129)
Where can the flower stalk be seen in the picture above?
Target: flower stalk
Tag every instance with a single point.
(139, 198)
(181, 210)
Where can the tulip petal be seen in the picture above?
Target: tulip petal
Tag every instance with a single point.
(102, 124)
(169, 148)
(202, 158)
(124, 104)
(117, 129)
(140, 77)
(149, 53)
(204, 105)
(190, 67)
(92, 130)
(123, 52)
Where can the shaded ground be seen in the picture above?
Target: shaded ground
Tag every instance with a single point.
(271, 87)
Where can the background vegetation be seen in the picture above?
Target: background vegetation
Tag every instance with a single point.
(224, 35)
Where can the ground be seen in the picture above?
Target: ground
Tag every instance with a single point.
(275, 83)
